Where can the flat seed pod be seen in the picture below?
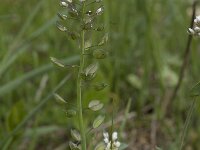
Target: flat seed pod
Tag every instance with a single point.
(61, 27)
(91, 69)
(75, 135)
(70, 113)
(100, 86)
(98, 121)
(87, 26)
(73, 146)
(104, 40)
(57, 62)
(59, 98)
(61, 16)
(95, 105)
(99, 54)
(101, 28)
(73, 35)
(100, 11)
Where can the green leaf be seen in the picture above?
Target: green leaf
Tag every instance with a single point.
(16, 115)
(123, 146)
(98, 121)
(95, 105)
(16, 83)
(75, 135)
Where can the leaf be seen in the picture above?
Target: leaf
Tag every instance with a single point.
(59, 98)
(123, 146)
(91, 69)
(57, 62)
(15, 116)
(95, 105)
(33, 111)
(98, 121)
(70, 113)
(75, 135)
(195, 91)
(18, 82)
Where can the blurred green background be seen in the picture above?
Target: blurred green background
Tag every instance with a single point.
(146, 47)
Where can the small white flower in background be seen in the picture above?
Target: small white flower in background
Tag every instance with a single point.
(115, 144)
(64, 4)
(196, 29)
(82, 0)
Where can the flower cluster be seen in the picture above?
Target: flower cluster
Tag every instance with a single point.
(196, 29)
(112, 144)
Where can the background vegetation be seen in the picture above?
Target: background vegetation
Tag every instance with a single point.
(146, 47)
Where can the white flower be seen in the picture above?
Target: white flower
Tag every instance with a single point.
(99, 11)
(197, 20)
(114, 136)
(105, 135)
(196, 29)
(115, 144)
(64, 4)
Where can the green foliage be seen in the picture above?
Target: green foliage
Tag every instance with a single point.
(139, 58)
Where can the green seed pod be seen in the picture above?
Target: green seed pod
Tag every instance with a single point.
(61, 16)
(73, 35)
(87, 26)
(70, 113)
(100, 86)
(101, 28)
(99, 54)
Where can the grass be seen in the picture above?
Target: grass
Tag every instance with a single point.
(147, 42)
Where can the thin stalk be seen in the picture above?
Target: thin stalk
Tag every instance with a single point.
(187, 122)
(128, 106)
(79, 87)
(186, 56)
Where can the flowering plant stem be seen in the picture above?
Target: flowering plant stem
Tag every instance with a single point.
(79, 86)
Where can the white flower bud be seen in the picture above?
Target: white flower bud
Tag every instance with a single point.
(117, 144)
(64, 4)
(191, 31)
(114, 136)
(106, 140)
(106, 135)
(196, 29)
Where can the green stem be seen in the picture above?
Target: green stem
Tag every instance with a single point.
(79, 87)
